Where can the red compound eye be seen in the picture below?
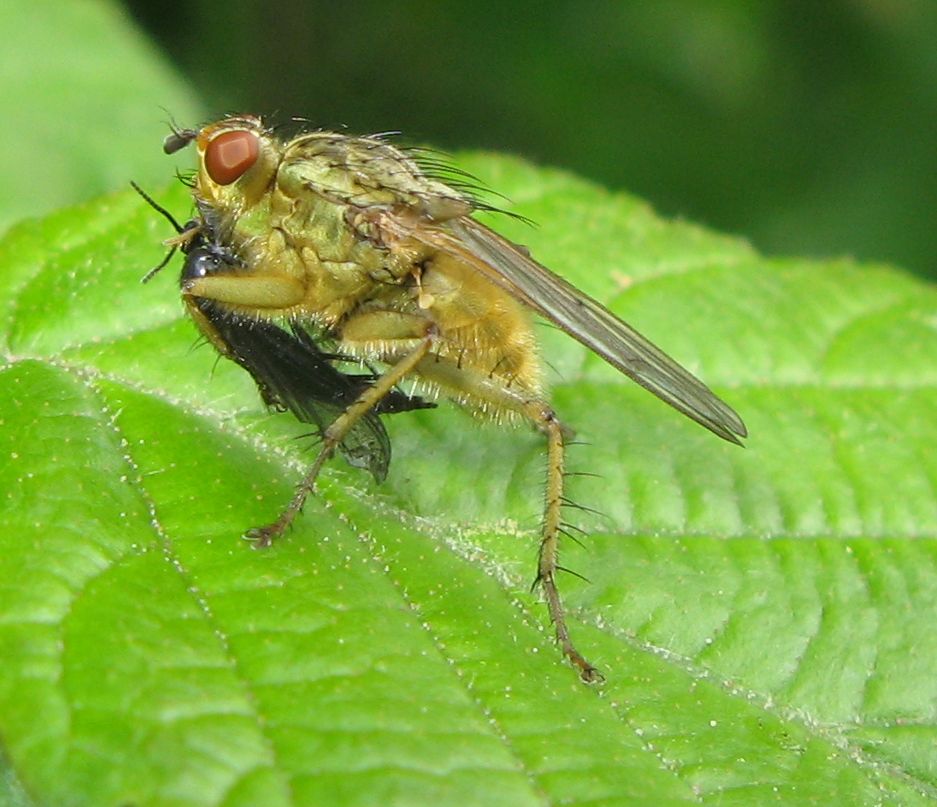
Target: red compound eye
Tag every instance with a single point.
(230, 154)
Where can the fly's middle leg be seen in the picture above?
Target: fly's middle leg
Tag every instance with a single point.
(333, 436)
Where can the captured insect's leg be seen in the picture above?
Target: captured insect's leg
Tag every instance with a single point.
(335, 433)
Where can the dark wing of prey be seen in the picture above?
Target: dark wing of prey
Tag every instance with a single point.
(583, 318)
(292, 372)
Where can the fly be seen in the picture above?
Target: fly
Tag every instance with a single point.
(358, 245)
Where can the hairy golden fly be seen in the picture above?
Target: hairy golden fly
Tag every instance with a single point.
(309, 252)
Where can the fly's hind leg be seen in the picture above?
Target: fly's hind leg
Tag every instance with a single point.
(499, 392)
(545, 419)
(333, 436)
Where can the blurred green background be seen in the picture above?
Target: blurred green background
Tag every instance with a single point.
(806, 126)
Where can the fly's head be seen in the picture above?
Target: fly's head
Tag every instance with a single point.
(238, 159)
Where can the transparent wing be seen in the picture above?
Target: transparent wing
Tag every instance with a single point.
(585, 319)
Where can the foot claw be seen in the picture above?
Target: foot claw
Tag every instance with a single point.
(590, 675)
(262, 537)
(587, 673)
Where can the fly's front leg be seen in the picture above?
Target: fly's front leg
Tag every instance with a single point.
(335, 433)
(261, 292)
(274, 285)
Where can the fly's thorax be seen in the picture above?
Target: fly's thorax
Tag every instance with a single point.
(337, 265)
(310, 221)
(325, 165)
(365, 172)
(319, 222)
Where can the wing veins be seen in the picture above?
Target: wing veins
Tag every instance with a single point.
(584, 318)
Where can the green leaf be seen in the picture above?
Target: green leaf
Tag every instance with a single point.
(763, 615)
(83, 93)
